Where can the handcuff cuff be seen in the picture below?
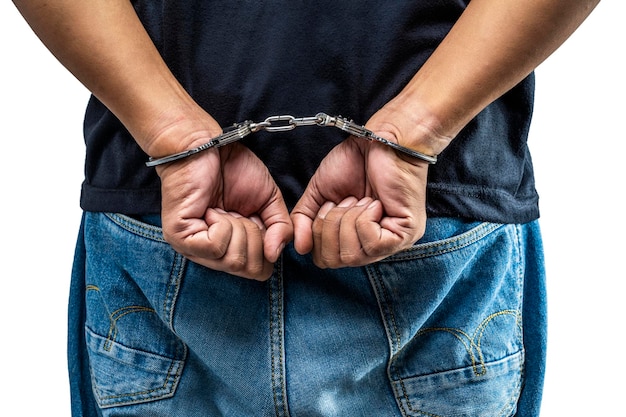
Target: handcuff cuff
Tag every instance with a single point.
(284, 123)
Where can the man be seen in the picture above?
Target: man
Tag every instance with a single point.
(354, 317)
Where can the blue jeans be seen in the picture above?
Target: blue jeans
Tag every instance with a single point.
(455, 326)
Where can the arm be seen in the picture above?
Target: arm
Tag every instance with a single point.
(207, 212)
(345, 221)
(103, 43)
(491, 48)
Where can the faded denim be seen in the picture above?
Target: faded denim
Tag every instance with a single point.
(454, 326)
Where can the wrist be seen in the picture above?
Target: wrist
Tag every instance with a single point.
(175, 130)
(410, 126)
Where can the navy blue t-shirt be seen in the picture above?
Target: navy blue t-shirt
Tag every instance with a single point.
(247, 60)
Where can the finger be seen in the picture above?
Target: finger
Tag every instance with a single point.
(303, 216)
(329, 242)
(317, 229)
(377, 240)
(256, 220)
(243, 255)
(276, 238)
(351, 251)
(279, 228)
(209, 241)
(236, 256)
(257, 267)
(302, 233)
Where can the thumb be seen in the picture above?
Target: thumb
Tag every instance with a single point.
(303, 232)
(276, 238)
(302, 216)
(279, 227)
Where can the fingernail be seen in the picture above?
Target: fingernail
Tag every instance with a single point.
(372, 205)
(348, 202)
(280, 249)
(326, 207)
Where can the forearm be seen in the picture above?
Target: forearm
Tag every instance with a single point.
(492, 47)
(103, 43)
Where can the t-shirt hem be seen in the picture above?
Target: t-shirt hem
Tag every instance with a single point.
(125, 201)
(481, 204)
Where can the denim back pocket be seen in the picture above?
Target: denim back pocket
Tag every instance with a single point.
(132, 281)
(452, 312)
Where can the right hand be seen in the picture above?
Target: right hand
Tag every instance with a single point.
(222, 209)
(357, 219)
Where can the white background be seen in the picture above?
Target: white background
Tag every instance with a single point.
(578, 143)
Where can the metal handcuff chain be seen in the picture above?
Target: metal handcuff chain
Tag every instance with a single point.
(285, 123)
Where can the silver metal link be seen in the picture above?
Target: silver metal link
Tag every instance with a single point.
(286, 123)
(273, 126)
(344, 124)
(230, 135)
(307, 121)
(354, 129)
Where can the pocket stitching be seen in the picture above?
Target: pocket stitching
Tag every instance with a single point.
(170, 365)
(504, 411)
(144, 230)
(471, 342)
(165, 390)
(447, 245)
(118, 314)
(419, 251)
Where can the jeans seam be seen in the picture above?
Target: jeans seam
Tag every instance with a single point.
(277, 346)
(173, 372)
(506, 411)
(173, 288)
(389, 320)
(394, 339)
(391, 328)
(167, 307)
(520, 280)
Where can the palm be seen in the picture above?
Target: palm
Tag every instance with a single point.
(364, 203)
(223, 210)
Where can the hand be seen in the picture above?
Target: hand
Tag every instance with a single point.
(222, 209)
(364, 203)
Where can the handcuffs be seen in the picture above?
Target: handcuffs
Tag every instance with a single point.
(284, 123)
